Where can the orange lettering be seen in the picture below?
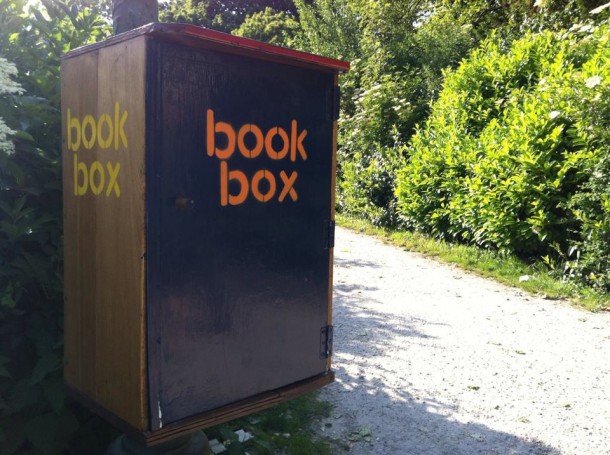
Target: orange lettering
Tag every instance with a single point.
(273, 154)
(288, 186)
(223, 128)
(296, 143)
(258, 134)
(210, 133)
(225, 177)
(263, 174)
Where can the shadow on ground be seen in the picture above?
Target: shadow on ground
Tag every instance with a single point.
(377, 411)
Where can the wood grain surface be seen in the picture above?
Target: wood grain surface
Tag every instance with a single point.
(104, 227)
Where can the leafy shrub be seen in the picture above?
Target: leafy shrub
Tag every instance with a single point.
(274, 27)
(589, 258)
(387, 92)
(7, 87)
(371, 148)
(35, 416)
(398, 73)
(222, 15)
(367, 184)
(511, 145)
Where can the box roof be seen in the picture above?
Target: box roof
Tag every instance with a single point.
(200, 37)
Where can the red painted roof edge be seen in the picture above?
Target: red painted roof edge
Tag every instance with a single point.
(249, 44)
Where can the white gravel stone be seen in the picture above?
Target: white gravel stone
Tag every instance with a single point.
(434, 360)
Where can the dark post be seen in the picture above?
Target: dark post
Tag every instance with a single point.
(130, 14)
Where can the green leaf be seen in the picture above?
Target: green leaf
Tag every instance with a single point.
(7, 301)
(54, 391)
(228, 435)
(23, 395)
(41, 21)
(25, 136)
(41, 431)
(46, 364)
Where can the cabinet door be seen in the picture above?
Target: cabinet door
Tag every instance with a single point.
(239, 192)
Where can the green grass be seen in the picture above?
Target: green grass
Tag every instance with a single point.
(502, 268)
(285, 428)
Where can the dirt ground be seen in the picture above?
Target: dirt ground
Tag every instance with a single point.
(433, 360)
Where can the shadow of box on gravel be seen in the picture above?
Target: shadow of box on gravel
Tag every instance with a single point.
(199, 177)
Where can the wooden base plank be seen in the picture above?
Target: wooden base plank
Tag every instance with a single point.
(207, 419)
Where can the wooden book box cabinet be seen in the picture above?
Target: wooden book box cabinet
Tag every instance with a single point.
(198, 174)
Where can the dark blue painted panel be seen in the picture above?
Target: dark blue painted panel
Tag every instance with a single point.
(237, 280)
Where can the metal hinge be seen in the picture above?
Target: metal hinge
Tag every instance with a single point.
(326, 342)
(330, 235)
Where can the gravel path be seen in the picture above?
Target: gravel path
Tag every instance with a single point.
(434, 360)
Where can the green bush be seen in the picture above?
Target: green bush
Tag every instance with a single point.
(367, 184)
(397, 73)
(387, 92)
(35, 416)
(589, 260)
(511, 145)
(274, 27)
(371, 148)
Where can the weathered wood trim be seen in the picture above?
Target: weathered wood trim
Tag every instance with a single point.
(333, 201)
(207, 419)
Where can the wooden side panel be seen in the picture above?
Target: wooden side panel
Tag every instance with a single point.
(103, 109)
(79, 317)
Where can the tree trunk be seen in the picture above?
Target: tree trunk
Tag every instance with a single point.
(130, 14)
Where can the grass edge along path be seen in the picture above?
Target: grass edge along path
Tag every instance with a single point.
(509, 270)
